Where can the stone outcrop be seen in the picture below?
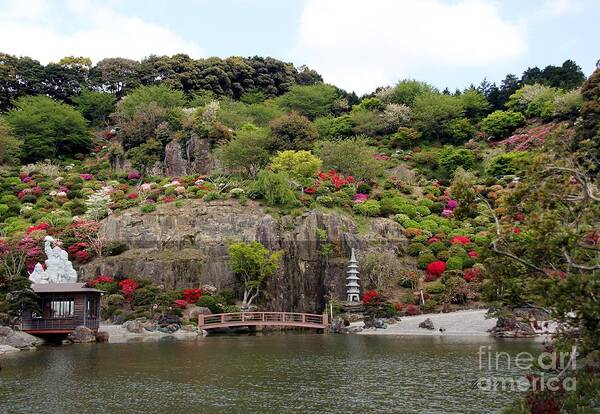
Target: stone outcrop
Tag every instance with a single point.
(510, 327)
(82, 335)
(184, 247)
(188, 157)
(18, 339)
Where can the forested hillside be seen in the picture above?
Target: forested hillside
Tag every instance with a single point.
(494, 186)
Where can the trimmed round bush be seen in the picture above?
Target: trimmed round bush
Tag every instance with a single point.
(369, 208)
(415, 248)
(454, 263)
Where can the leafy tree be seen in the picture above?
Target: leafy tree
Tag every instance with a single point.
(459, 130)
(475, 104)
(253, 264)
(145, 156)
(339, 127)
(405, 138)
(351, 157)
(300, 165)
(534, 100)
(367, 122)
(293, 131)
(247, 152)
(116, 75)
(311, 101)
(67, 78)
(508, 163)
(567, 76)
(47, 128)
(433, 112)
(10, 147)
(500, 124)
(160, 95)
(405, 92)
(450, 158)
(275, 188)
(19, 76)
(95, 106)
(508, 86)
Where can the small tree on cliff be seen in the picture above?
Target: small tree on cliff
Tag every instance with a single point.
(252, 263)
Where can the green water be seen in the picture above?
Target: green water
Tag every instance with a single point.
(256, 374)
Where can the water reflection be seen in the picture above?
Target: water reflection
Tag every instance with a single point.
(263, 374)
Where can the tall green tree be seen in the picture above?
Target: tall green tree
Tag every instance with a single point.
(311, 101)
(95, 106)
(48, 129)
(10, 146)
(253, 263)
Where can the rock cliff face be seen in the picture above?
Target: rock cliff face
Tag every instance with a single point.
(181, 247)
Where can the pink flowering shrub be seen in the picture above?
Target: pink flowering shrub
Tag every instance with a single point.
(86, 177)
(360, 198)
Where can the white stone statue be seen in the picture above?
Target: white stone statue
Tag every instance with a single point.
(58, 267)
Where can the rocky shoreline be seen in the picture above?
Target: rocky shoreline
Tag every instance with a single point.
(476, 323)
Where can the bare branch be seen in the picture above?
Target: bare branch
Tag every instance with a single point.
(578, 266)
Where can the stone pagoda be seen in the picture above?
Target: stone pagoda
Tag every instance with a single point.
(352, 286)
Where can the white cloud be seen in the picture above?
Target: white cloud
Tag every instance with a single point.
(359, 45)
(27, 30)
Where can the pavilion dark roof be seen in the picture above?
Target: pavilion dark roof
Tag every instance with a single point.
(62, 287)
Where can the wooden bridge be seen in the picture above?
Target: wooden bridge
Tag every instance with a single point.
(232, 320)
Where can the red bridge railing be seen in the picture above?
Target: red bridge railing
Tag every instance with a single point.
(227, 320)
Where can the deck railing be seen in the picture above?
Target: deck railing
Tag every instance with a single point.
(224, 320)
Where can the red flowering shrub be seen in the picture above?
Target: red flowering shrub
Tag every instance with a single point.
(74, 248)
(41, 226)
(100, 279)
(180, 303)
(336, 179)
(82, 256)
(433, 240)
(435, 269)
(412, 310)
(128, 286)
(192, 295)
(369, 295)
(460, 240)
(398, 306)
(473, 254)
(168, 199)
(516, 230)
(471, 274)
(310, 190)
(132, 196)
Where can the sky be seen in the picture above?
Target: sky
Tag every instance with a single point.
(357, 45)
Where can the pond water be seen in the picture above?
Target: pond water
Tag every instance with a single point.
(258, 374)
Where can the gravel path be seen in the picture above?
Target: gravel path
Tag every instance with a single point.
(467, 323)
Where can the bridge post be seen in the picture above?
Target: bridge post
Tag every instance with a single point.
(325, 319)
(200, 320)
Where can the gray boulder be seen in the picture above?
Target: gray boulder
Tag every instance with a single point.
(7, 349)
(18, 339)
(134, 326)
(192, 312)
(376, 323)
(427, 324)
(102, 336)
(508, 327)
(82, 335)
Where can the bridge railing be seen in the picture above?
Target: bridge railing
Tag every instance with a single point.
(262, 318)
